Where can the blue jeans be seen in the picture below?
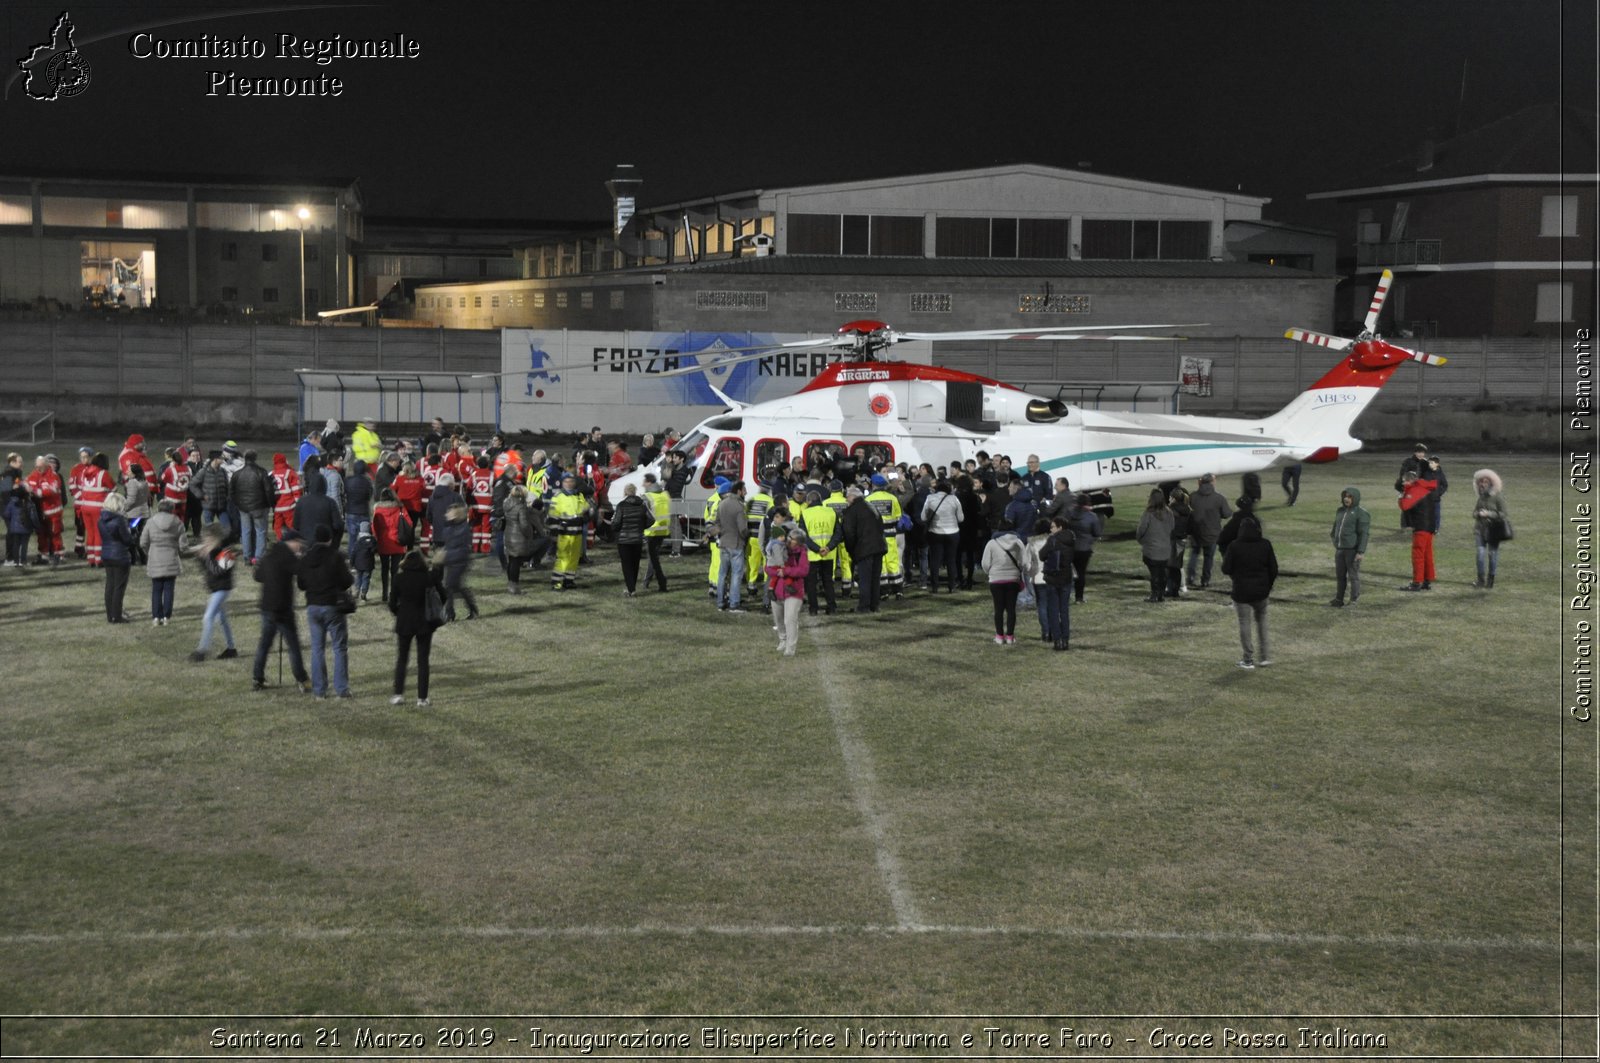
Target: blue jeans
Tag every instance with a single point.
(328, 625)
(1055, 601)
(252, 533)
(730, 577)
(161, 588)
(352, 530)
(1487, 555)
(1210, 552)
(209, 517)
(283, 627)
(216, 611)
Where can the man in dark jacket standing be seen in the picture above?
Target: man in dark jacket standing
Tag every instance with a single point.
(862, 529)
(1254, 568)
(253, 494)
(276, 574)
(1209, 510)
(733, 528)
(316, 509)
(324, 576)
(358, 492)
(211, 487)
(1352, 526)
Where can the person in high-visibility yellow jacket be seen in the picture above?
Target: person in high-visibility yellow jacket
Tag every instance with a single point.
(887, 507)
(708, 530)
(656, 533)
(366, 444)
(841, 562)
(567, 517)
(756, 508)
(822, 541)
(538, 482)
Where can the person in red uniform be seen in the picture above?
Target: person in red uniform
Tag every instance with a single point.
(44, 483)
(507, 458)
(432, 467)
(173, 482)
(479, 488)
(133, 454)
(409, 491)
(92, 491)
(1419, 503)
(75, 477)
(287, 483)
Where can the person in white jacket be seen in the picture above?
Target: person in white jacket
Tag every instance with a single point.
(1008, 565)
(941, 517)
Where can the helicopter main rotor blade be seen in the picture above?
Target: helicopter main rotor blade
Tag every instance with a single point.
(1049, 332)
(1319, 339)
(1378, 298)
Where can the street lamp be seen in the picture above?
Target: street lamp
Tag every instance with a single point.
(302, 213)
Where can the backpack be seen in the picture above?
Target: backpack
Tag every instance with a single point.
(1057, 558)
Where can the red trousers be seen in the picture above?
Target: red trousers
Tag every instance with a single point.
(1422, 557)
(50, 534)
(91, 534)
(482, 537)
(281, 519)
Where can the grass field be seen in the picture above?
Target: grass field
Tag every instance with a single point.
(637, 808)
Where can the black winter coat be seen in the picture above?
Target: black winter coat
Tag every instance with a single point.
(407, 595)
(323, 574)
(276, 572)
(358, 492)
(315, 509)
(862, 529)
(631, 518)
(1252, 564)
(252, 489)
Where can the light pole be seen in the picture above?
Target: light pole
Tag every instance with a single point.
(302, 213)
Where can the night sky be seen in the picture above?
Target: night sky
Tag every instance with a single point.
(520, 110)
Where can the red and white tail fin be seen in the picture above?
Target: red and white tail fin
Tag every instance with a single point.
(1315, 425)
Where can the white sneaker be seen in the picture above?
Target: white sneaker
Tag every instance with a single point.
(1247, 666)
(398, 699)
(423, 703)
(999, 640)
(1263, 663)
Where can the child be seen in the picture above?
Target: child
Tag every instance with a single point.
(363, 558)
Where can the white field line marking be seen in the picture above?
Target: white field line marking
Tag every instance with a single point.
(864, 788)
(1219, 937)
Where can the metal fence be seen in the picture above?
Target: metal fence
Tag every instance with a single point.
(72, 363)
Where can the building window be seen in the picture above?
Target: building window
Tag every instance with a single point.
(311, 252)
(616, 299)
(961, 237)
(561, 300)
(269, 252)
(538, 300)
(1107, 238)
(813, 234)
(855, 231)
(1044, 238)
(269, 295)
(230, 252)
(586, 300)
(1189, 240)
(896, 235)
(230, 295)
(1558, 216)
(477, 302)
(494, 300)
(1554, 302)
(1146, 239)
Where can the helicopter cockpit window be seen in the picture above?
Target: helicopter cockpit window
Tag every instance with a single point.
(1046, 411)
(727, 459)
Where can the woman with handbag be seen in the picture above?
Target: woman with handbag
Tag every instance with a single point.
(1009, 568)
(418, 607)
(1491, 525)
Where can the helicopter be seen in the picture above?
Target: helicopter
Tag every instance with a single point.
(888, 412)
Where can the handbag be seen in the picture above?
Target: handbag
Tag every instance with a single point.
(433, 608)
(1500, 531)
(345, 603)
(1025, 598)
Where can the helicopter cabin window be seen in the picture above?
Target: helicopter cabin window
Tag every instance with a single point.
(874, 451)
(770, 452)
(727, 459)
(820, 453)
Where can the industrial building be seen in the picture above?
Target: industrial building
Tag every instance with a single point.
(980, 248)
(280, 249)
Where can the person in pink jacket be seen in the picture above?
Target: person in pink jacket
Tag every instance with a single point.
(786, 569)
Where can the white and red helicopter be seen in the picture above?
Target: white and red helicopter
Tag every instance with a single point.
(914, 413)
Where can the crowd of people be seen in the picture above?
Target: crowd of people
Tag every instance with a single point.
(418, 512)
